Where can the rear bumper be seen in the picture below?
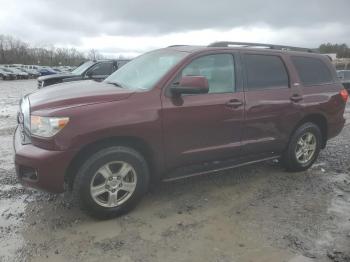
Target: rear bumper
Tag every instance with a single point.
(335, 128)
(40, 168)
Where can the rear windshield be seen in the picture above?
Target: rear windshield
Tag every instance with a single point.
(312, 71)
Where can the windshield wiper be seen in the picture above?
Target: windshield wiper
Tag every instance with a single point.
(116, 84)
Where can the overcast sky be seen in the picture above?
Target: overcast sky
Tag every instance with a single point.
(131, 27)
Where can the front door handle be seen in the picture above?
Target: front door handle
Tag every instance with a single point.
(234, 103)
(296, 98)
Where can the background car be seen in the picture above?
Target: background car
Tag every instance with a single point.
(47, 71)
(7, 74)
(35, 67)
(58, 70)
(344, 76)
(20, 74)
(96, 70)
(31, 72)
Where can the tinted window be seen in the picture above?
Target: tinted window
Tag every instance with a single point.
(218, 69)
(347, 75)
(103, 69)
(265, 71)
(312, 71)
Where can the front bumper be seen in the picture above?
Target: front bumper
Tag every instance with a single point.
(40, 168)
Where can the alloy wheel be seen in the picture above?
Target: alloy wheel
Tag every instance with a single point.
(113, 184)
(306, 148)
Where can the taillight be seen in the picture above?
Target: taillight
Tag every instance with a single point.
(344, 95)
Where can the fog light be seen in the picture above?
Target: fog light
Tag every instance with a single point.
(28, 173)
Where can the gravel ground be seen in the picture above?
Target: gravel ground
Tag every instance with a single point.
(255, 213)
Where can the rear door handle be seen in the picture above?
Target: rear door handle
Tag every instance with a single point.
(296, 98)
(234, 103)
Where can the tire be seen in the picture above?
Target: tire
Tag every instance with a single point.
(93, 176)
(297, 147)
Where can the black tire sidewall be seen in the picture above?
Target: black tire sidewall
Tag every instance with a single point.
(90, 167)
(290, 159)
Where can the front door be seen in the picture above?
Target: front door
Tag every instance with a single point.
(205, 127)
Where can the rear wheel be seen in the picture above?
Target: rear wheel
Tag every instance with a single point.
(111, 182)
(303, 148)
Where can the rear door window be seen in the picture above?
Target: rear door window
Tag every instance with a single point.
(312, 71)
(265, 72)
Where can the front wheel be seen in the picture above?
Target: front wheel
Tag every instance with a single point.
(303, 148)
(111, 182)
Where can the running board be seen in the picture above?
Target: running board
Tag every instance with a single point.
(219, 169)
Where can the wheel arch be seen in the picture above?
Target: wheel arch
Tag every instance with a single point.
(85, 152)
(319, 120)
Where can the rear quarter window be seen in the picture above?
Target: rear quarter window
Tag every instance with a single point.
(312, 71)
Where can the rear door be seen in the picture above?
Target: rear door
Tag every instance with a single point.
(205, 127)
(272, 98)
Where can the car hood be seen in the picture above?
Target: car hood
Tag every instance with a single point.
(76, 94)
(55, 76)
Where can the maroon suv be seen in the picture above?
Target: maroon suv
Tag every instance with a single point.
(177, 112)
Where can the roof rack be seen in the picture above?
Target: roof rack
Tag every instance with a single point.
(176, 45)
(269, 46)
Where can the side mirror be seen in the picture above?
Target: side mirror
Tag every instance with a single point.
(191, 85)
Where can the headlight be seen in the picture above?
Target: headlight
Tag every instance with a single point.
(47, 126)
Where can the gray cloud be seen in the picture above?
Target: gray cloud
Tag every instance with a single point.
(151, 16)
(67, 21)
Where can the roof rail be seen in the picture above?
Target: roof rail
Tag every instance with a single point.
(270, 46)
(176, 45)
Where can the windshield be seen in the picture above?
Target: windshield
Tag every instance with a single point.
(81, 69)
(146, 70)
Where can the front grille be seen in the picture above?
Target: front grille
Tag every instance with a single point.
(23, 119)
(40, 84)
(20, 120)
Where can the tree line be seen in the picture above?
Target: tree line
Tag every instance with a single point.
(342, 50)
(15, 51)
